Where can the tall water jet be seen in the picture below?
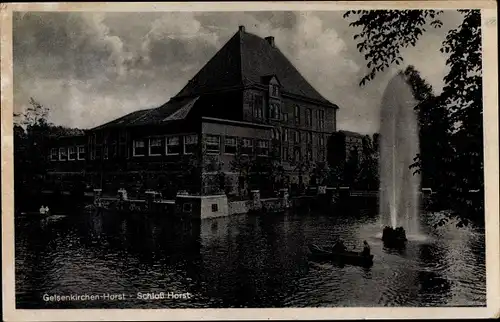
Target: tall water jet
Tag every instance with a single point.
(399, 145)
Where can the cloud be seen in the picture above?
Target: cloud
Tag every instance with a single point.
(92, 67)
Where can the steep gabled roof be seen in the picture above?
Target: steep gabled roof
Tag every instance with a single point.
(223, 70)
(244, 60)
(260, 58)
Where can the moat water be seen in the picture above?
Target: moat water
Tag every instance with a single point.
(242, 261)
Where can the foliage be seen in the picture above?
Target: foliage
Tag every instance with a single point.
(384, 33)
(368, 176)
(434, 133)
(336, 150)
(32, 136)
(352, 168)
(320, 173)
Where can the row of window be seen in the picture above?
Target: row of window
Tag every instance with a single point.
(71, 153)
(212, 146)
(172, 146)
(275, 113)
(285, 134)
(155, 147)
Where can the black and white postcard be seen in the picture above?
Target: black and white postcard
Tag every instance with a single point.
(269, 160)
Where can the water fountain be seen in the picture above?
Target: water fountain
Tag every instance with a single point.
(399, 144)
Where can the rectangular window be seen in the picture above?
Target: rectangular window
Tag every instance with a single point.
(212, 144)
(321, 119)
(98, 151)
(72, 153)
(155, 146)
(309, 154)
(321, 154)
(258, 107)
(296, 137)
(321, 141)
(275, 90)
(54, 155)
(296, 114)
(172, 146)
(285, 117)
(139, 148)
(262, 147)
(285, 135)
(215, 207)
(230, 145)
(114, 150)
(296, 154)
(286, 153)
(246, 146)
(309, 138)
(63, 154)
(308, 117)
(275, 135)
(105, 153)
(190, 143)
(274, 111)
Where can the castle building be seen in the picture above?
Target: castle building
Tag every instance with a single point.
(248, 100)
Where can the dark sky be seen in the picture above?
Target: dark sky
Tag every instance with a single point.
(89, 68)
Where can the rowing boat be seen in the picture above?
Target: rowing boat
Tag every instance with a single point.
(346, 257)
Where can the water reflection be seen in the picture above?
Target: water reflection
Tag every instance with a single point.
(242, 261)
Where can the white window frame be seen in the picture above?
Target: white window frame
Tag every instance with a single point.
(284, 117)
(69, 153)
(78, 153)
(247, 146)
(296, 137)
(149, 146)
(167, 145)
(285, 156)
(285, 135)
(321, 140)
(235, 145)
(309, 117)
(309, 138)
(54, 154)
(212, 152)
(185, 144)
(63, 149)
(296, 114)
(266, 143)
(321, 119)
(134, 146)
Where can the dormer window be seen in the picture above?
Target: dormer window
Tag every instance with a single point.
(274, 111)
(275, 90)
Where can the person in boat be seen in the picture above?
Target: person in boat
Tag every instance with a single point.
(47, 209)
(42, 210)
(366, 249)
(340, 247)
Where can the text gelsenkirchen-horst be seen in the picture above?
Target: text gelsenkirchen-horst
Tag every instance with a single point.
(117, 297)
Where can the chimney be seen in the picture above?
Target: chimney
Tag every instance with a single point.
(270, 40)
(241, 28)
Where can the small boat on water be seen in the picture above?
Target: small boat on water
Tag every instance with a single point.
(346, 257)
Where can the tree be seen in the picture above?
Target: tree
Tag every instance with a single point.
(434, 134)
(368, 173)
(385, 32)
(352, 167)
(336, 157)
(241, 164)
(320, 173)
